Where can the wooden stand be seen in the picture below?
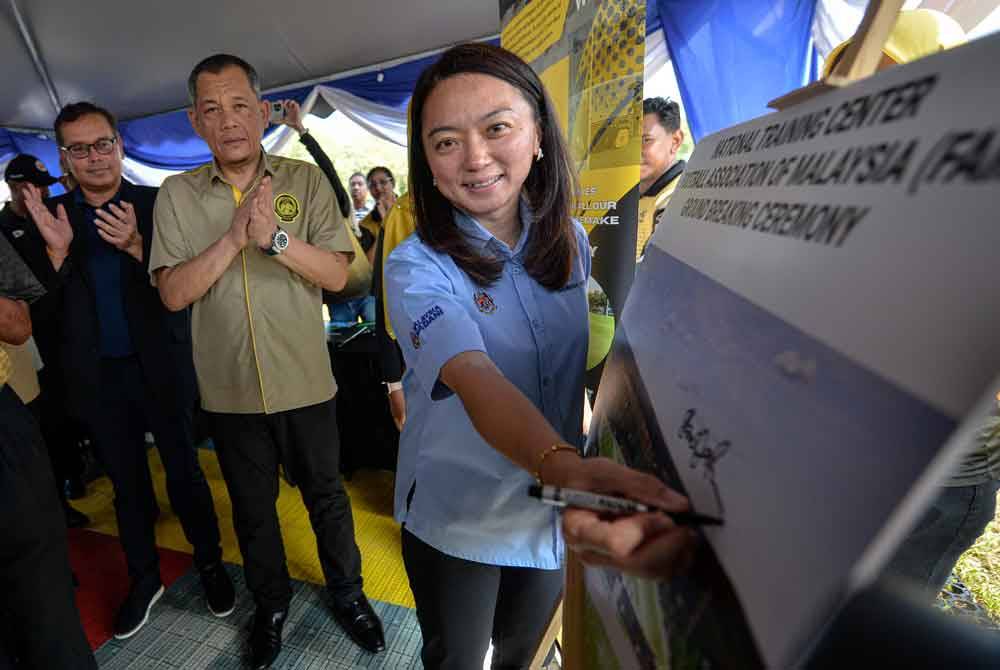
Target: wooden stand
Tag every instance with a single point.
(548, 638)
(574, 600)
(861, 58)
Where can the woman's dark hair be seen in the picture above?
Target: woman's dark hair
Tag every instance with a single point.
(550, 186)
(378, 168)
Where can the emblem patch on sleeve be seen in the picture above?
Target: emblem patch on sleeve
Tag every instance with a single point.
(484, 302)
(429, 317)
(286, 207)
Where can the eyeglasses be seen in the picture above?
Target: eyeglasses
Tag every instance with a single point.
(104, 146)
(380, 182)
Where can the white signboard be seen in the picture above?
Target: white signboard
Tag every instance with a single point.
(817, 315)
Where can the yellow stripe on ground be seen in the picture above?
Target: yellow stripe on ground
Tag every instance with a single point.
(371, 499)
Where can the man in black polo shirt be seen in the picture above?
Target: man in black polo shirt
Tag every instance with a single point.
(58, 429)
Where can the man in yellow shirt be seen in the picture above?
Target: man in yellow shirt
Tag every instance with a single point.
(659, 169)
(249, 241)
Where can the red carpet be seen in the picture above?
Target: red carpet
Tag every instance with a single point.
(99, 565)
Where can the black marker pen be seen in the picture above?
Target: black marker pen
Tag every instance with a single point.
(560, 497)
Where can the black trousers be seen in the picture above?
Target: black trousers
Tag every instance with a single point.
(37, 609)
(305, 441)
(127, 407)
(463, 605)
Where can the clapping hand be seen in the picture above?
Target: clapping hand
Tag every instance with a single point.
(263, 221)
(55, 229)
(118, 227)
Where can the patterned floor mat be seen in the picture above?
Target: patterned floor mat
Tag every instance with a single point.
(181, 633)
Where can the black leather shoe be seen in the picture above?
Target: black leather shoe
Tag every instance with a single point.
(359, 620)
(219, 593)
(265, 639)
(74, 517)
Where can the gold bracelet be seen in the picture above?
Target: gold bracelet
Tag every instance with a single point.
(548, 452)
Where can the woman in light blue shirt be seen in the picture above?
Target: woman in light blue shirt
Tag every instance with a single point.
(488, 299)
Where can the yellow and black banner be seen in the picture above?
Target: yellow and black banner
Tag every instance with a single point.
(590, 55)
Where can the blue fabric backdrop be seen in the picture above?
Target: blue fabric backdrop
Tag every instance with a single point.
(733, 56)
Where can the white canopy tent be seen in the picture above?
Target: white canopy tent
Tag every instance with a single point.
(134, 56)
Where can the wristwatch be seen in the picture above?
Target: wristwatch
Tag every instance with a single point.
(279, 242)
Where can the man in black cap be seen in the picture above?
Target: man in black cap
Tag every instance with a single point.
(59, 431)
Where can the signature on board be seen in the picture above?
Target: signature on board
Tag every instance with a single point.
(705, 452)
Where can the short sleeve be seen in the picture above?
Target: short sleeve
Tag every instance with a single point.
(432, 327)
(328, 228)
(169, 247)
(16, 280)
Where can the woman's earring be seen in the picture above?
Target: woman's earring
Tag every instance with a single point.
(434, 181)
(539, 155)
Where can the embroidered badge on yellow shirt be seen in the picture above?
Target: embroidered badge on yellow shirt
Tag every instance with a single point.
(286, 207)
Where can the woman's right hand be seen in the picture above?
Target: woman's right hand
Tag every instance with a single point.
(645, 545)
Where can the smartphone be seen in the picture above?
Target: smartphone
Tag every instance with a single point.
(277, 115)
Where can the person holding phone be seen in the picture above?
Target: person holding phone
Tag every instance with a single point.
(289, 113)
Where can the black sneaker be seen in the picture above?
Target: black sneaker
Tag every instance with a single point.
(134, 612)
(219, 592)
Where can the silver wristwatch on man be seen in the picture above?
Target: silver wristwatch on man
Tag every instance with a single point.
(279, 242)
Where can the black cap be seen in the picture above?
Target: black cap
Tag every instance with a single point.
(25, 167)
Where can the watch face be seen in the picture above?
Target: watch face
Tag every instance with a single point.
(281, 240)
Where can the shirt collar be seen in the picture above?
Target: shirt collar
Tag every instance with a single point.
(79, 198)
(264, 167)
(664, 179)
(480, 238)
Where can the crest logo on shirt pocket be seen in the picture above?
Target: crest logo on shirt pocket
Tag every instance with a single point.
(286, 207)
(484, 302)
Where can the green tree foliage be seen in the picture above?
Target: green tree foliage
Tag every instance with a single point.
(351, 148)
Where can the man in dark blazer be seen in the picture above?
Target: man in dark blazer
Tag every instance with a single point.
(128, 360)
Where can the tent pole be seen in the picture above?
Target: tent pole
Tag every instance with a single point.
(29, 42)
